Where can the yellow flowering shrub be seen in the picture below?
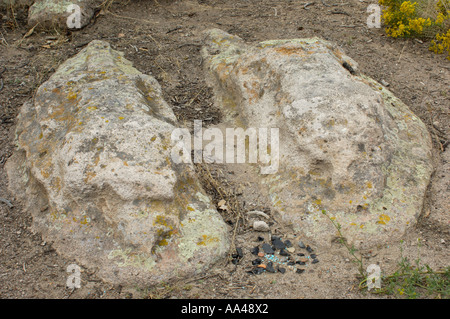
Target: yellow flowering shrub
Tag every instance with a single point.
(403, 19)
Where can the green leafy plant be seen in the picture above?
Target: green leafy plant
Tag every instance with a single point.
(352, 251)
(414, 280)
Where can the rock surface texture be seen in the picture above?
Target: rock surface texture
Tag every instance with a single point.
(347, 146)
(94, 168)
(48, 14)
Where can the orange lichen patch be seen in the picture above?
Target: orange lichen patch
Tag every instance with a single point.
(222, 70)
(252, 91)
(262, 266)
(125, 163)
(302, 130)
(290, 51)
(338, 53)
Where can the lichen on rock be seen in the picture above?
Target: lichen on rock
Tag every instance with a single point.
(347, 145)
(94, 158)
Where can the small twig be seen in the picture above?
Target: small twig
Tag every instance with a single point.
(308, 4)
(200, 278)
(188, 44)
(338, 12)
(326, 5)
(7, 202)
(401, 53)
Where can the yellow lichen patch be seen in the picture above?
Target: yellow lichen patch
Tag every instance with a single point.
(45, 173)
(369, 185)
(89, 176)
(207, 240)
(190, 208)
(121, 117)
(162, 242)
(71, 96)
(383, 219)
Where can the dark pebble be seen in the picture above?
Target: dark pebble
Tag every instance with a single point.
(288, 243)
(301, 244)
(300, 262)
(313, 256)
(267, 248)
(282, 270)
(315, 261)
(309, 249)
(260, 238)
(239, 252)
(269, 267)
(278, 244)
(291, 263)
(256, 271)
(283, 252)
(235, 261)
(234, 256)
(255, 250)
(299, 271)
(257, 261)
(300, 254)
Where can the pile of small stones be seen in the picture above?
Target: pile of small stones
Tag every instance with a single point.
(278, 256)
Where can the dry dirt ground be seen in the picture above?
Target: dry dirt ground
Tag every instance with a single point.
(163, 38)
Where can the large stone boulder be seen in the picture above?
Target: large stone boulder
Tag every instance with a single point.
(94, 168)
(347, 146)
(48, 14)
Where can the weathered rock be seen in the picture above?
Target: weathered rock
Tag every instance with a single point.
(55, 13)
(347, 146)
(260, 225)
(94, 168)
